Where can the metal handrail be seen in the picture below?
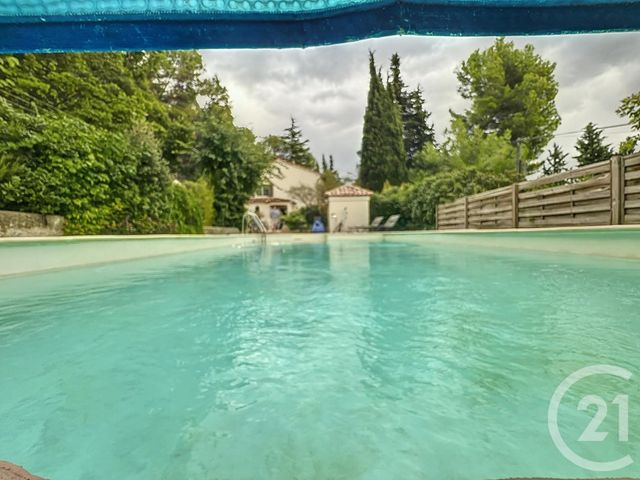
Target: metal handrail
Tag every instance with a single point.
(249, 217)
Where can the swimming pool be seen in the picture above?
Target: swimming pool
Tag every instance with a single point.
(351, 359)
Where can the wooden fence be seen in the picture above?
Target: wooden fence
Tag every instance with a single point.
(605, 193)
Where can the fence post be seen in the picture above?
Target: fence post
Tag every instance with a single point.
(437, 208)
(466, 212)
(617, 190)
(515, 215)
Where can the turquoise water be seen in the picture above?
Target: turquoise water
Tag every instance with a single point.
(332, 361)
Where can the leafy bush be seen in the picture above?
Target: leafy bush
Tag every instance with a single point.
(311, 212)
(186, 213)
(203, 192)
(448, 186)
(391, 201)
(296, 221)
(416, 203)
(100, 181)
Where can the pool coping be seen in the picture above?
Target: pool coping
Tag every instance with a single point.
(300, 235)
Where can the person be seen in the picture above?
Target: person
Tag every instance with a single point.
(275, 218)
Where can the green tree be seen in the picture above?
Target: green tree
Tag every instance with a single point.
(468, 148)
(382, 157)
(591, 147)
(127, 124)
(234, 161)
(116, 90)
(628, 145)
(511, 91)
(555, 161)
(630, 107)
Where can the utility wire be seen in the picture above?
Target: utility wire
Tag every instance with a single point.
(574, 132)
(46, 108)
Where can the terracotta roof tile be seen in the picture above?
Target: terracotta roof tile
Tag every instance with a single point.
(349, 191)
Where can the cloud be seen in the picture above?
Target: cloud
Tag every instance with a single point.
(325, 88)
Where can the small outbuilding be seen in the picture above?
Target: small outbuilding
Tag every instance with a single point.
(348, 208)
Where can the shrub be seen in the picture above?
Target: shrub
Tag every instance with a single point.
(296, 221)
(311, 212)
(186, 212)
(417, 202)
(203, 191)
(100, 181)
(391, 201)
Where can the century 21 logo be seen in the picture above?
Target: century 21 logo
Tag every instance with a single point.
(591, 433)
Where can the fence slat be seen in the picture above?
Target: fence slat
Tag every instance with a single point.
(593, 219)
(566, 198)
(632, 160)
(476, 211)
(489, 194)
(593, 169)
(601, 207)
(596, 182)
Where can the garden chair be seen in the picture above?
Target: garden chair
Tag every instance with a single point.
(375, 224)
(390, 223)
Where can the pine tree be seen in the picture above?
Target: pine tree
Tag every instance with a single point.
(382, 154)
(295, 147)
(415, 119)
(555, 161)
(591, 147)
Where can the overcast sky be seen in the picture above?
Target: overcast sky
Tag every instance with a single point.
(325, 88)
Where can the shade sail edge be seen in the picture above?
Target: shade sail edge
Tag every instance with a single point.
(153, 31)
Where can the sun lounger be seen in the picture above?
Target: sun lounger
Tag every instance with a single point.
(390, 223)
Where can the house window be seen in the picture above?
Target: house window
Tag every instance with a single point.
(266, 190)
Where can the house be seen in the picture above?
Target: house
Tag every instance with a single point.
(285, 189)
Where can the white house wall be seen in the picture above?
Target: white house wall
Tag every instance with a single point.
(353, 211)
(291, 176)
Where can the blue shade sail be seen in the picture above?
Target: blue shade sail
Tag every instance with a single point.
(103, 25)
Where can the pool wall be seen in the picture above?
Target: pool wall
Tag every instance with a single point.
(20, 255)
(29, 255)
(609, 241)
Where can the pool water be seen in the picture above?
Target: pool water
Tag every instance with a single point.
(344, 360)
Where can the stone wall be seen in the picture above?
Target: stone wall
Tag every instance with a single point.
(19, 224)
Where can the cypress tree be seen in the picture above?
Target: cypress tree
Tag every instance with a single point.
(555, 161)
(415, 119)
(591, 147)
(324, 163)
(397, 86)
(382, 155)
(331, 167)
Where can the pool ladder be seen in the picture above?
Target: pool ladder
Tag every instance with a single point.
(251, 218)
